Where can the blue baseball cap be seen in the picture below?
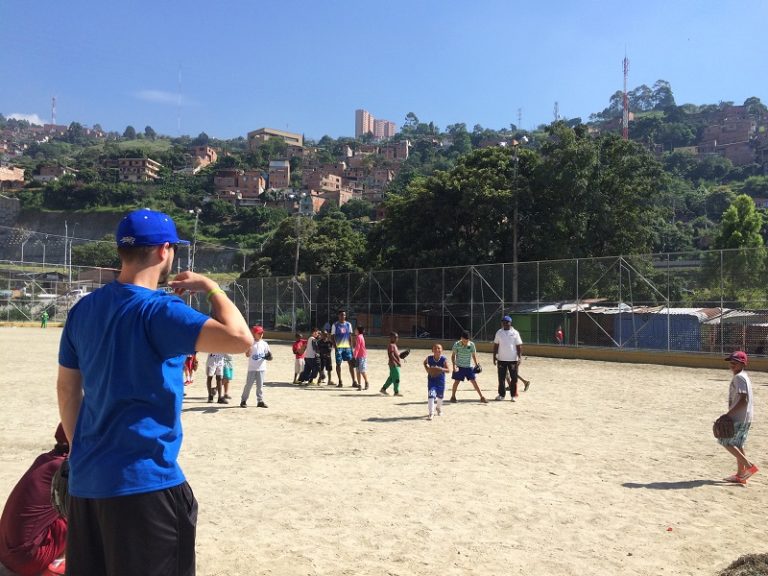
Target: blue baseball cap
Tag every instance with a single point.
(507, 319)
(146, 227)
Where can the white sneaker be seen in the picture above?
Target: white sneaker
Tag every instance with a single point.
(513, 399)
(499, 398)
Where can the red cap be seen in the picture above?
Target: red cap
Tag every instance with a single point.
(738, 356)
(257, 330)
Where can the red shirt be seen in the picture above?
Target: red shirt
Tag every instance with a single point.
(32, 534)
(298, 345)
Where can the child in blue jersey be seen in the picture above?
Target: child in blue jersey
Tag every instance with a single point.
(436, 367)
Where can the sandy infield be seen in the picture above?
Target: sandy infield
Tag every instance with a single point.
(600, 468)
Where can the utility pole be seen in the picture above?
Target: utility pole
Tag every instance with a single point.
(625, 113)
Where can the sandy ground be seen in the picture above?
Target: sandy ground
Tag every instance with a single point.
(599, 468)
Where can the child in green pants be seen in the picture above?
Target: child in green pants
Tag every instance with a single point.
(394, 366)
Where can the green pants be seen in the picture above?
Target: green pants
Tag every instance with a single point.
(394, 379)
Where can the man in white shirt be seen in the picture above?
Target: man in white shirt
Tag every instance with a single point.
(507, 355)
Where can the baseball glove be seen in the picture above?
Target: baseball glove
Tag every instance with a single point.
(268, 356)
(60, 489)
(404, 354)
(477, 369)
(723, 427)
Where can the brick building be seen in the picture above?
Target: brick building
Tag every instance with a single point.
(279, 174)
(138, 169)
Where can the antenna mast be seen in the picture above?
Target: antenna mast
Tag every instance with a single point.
(53, 110)
(625, 115)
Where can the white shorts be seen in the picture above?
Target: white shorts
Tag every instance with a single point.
(298, 365)
(214, 366)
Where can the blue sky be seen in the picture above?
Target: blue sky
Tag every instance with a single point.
(306, 66)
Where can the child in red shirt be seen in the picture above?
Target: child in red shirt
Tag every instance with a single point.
(299, 347)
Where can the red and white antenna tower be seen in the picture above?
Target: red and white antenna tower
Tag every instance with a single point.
(53, 110)
(625, 114)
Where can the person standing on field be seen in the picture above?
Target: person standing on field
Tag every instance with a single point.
(507, 355)
(131, 510)
(740, 411)
(341, 336)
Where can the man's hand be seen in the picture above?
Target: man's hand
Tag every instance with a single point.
(191, 282)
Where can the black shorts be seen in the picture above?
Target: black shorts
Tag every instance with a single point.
(151, 534)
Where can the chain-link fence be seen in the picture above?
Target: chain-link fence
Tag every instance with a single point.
(703, 301)
(699, 302)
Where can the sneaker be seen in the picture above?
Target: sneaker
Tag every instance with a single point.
(398, 394)
(330, 383)
(223, 400)
(749, 472)
(453, 400)
(339, 385)
(499, 398)
(261, 405)
(243, 404)
(439, 412)
(366, 387)
(513, 399)
(429, 416)
(384, 392)
(227, 396)
(526, 386)
(210, 397)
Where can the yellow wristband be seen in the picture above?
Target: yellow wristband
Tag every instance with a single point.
(213, 293)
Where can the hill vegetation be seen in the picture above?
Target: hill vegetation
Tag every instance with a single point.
(568, 189)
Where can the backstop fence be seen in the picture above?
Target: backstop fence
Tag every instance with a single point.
(711, 301)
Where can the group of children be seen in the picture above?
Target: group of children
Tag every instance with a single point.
(313, 358)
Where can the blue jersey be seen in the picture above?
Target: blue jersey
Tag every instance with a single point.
(129, 344)
(441, 363)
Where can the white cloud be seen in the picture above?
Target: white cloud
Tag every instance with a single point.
(162, 97)
(31, 118)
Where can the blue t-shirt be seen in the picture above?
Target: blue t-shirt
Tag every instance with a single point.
(440, 379)
(129, 343)
(341, 332)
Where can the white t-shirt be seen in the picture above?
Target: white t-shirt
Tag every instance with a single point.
(741, 384)
(256, 356)
(311, 351)
(508, 341)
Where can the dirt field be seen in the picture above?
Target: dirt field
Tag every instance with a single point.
(599, 468)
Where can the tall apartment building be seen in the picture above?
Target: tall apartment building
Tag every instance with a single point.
(363, 123)
(384, 129)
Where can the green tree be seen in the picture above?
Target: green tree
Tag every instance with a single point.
(129, 133)
(101, 254)
(149, 133)
(744, 258)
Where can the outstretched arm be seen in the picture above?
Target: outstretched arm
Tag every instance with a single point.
(226, 330)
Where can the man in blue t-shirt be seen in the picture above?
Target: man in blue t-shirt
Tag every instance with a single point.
(120, 390)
